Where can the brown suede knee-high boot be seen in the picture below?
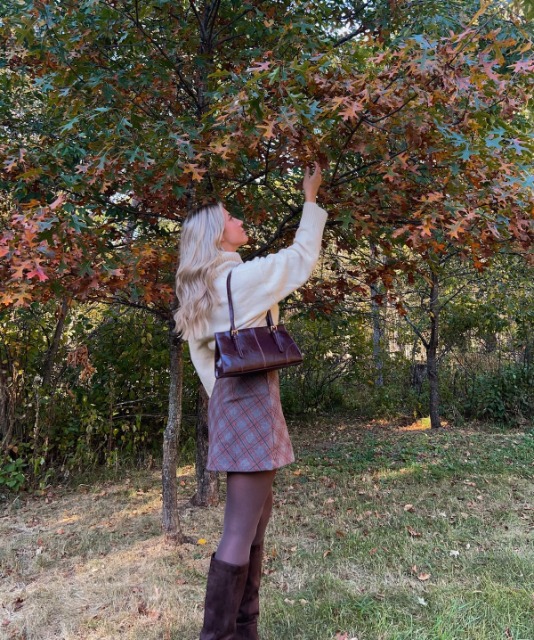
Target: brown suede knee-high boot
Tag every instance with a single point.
(249, 610)
(224, 591)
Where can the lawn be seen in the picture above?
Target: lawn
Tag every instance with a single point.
(378, 533)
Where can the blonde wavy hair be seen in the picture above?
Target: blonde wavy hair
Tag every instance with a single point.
(200, 248)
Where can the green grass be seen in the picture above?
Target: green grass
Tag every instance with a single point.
(377, 533)
(456, 564)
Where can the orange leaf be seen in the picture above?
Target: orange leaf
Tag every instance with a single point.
(195, 171)
(352, 110)
(269, 128)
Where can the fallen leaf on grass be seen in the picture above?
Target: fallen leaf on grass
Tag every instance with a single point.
(18, 604)
(143, 610)
(424, 577)
(413, 532)
(409, 507)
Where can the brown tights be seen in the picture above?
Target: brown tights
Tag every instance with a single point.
(249, 501)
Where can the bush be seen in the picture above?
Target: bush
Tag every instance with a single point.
(504, 396)
(333, 349)
(11, 473)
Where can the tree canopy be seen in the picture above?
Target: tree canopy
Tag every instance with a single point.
(117, 116)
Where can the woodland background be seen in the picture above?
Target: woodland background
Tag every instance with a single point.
(117, 116)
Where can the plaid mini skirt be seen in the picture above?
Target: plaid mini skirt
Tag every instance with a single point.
(247, 428)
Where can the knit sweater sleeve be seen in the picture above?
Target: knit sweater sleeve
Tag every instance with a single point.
(262, 282)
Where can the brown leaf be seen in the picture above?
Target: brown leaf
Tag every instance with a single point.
(413, 532)
(409, 507)
(424, 577)
(142, 608)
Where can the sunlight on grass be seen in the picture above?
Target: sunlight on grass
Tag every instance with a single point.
(391, 474)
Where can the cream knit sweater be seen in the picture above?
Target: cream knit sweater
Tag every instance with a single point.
(258, 285)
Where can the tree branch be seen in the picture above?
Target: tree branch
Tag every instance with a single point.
(417, 332)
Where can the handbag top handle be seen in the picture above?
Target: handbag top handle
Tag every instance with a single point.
(233, 330)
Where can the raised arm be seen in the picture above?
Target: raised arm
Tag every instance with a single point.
(259, 284)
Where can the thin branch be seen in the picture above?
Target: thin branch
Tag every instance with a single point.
(417, 331)
(280, 231)
(236, 19)
(174, 64)
(277, 194)
(197, 16)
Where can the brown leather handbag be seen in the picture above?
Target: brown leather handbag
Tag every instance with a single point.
(241, 351)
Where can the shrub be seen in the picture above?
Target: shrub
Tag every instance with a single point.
(11, 473)
(504, 396)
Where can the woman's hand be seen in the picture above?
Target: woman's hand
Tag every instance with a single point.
(311, 183)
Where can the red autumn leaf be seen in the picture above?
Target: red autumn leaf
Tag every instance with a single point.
(37, 272)
(525, 64)
(57, 202)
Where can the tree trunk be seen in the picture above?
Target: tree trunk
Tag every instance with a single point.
(377, 338)
(431, 353)
(51, 354)
(207, 494)
(170, 520)
(377, 326)
(7, 396)
(7, 407)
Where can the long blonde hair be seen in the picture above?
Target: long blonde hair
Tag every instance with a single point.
(200, 249)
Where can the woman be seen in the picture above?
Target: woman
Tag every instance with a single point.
(248, 435)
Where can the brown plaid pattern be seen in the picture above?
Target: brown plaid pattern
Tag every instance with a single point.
(247, 429)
